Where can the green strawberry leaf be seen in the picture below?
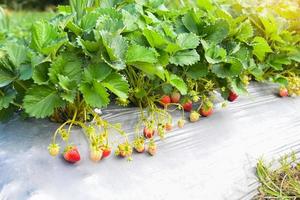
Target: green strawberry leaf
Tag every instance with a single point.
(214, 53)
(40, 73)
(281, 80)
(191, 22)
(187, 57)
(41, 101)
(178, 83)
(277, 61)
(151, 69)
(117, 84)
(155, 39)
(217, 32)
(94, 94)
(245, 31)
(96, 72)
(68, 65)
(260, 48)
(7, 95)
(6, 77)
(87, 46)
(17, 53)
(106, 23)
(25, 71)
(187, 41)
(89, 21)
(116, 47)
(197, 70)
(46, 38)
(138, 53)
(7, 113)
(230, 69)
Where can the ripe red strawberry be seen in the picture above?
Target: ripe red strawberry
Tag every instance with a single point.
(175, 97)
(232, 96)
(168, 126)
(205, 112)
(106, 151)
(148, 132)
(71, 154)
(96, 155)
(165, 100)
(187, 106)
(180, 123)
(283, 92)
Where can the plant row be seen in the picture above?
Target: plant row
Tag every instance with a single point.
(143, 53)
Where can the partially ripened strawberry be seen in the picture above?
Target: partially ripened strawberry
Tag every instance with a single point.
(187, 106)
(165, 100)
(140, 148)
(194, 116)
(124, 150)
(283, 92)
(96, 154)
(53, 149)
(148, 132)
(168, 126)
(206, 111)
(106, 151)
(232, 96)
(152, 148)
(71, 154)
(139, 144)
(181, 123)
(175, 97)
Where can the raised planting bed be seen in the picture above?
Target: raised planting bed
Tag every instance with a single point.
(214, 158)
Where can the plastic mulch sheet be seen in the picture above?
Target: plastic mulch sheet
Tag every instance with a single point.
(211, 159)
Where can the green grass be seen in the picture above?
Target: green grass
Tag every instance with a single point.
(282, 182)
(20, 22)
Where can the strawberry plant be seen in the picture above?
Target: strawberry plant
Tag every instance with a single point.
(156, 56)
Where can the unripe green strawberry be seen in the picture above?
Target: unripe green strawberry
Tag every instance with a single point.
(122, 101)
(181, 123)
(161, 131)
(96, 155)
(53, 149)
(195, 98)
(194, 116)
(152, 148)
